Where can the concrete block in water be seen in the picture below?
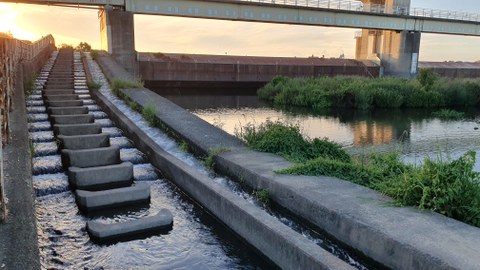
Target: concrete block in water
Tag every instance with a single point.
(89, 201)
(77, 129)
(60, 97)
(110, 233)
(102, 177)
(67, 110)
(64, 103)
(91, 157)
(72, 119)
(84, 141)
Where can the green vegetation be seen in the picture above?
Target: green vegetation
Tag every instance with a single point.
(149, 113)
(93, 85)
(29, 83)
(286, 140)
(426, 91)
(32, 149)
(65, 46)
(262, 196)
(448, 187)
(118, 84)
(83, 47)
(447, 114)
(209, 160)
(94, 54)
(183, 146)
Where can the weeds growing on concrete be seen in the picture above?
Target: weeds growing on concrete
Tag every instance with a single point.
(426, 91)
(118, 84)
(93, 85)
(32, 149)
(29, 84)
(448, 187)
(447, 114)
(149, 113)
(94, 54)
(209, 160)
(262, 196)
(183, 146)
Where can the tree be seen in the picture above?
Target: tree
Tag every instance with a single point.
(84, 47)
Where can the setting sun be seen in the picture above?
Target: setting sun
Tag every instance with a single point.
(8, 23)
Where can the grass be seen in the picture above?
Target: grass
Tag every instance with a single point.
(93, 85)
(426, 91)
(29, 83)
(118, 84)
(447, 114)
(449, 187)
(94, 54)
(263, 196)
(149, 113)
(209, 160)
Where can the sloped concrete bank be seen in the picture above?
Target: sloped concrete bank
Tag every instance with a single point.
(399, 238)
(283, 246)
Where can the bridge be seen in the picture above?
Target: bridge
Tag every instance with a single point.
(391, 28)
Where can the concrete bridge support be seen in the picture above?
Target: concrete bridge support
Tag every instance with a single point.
(118, 38)
(396, 51)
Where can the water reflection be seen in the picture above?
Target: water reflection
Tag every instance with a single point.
(414, 132)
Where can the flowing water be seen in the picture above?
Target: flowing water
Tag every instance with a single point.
(197, 241)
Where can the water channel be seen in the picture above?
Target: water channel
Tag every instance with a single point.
(413, 132)
(197, 240)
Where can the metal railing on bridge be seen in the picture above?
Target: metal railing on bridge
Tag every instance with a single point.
(357, 6)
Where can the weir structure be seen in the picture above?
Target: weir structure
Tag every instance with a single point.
(391, 28)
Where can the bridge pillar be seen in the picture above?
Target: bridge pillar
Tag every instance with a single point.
(117, 37)
(396, 51)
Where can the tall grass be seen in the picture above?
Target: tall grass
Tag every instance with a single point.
(449, 187)
(426, 91)
(149, 113)
(118, 84)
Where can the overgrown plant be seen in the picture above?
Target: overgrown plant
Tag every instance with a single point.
(93, 85)
(94, 54)
(426, 91)
(209, 160)
(449, 187)
(149, 113)
(118, 84)
(29, 84)
(263, 196)
(447, 114)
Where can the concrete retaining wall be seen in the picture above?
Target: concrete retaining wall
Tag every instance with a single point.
(399, 238)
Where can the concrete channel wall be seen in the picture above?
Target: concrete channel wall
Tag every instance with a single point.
(399, 238)
(280, 244)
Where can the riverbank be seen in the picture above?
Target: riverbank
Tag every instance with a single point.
(428, 90)
(402, 238)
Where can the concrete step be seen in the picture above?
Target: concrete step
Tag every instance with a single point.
(102, 177)
(59, 97)
(77, 129)
(58, 86)
(72, 119)
(64, 103)
(91, 157)
(89, 201)
(58, 92)
(67, 110)
(111, 233)
(77, 142)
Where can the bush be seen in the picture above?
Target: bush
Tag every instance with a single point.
(447, 114)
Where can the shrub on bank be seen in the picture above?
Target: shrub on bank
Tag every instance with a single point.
(450, 188)
(427, 91)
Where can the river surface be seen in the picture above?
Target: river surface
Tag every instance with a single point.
(413, 132)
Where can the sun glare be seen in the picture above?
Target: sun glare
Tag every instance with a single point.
(8, 16)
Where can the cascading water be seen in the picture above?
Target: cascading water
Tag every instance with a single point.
(170, 146)
(197, 241)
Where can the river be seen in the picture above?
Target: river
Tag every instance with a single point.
(413, 132)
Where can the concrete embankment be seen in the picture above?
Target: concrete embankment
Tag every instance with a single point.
(399, 238)
(283, 246)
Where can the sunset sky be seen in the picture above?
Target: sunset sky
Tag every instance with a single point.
(170, 34)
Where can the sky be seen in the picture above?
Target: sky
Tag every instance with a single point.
(185, 35)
